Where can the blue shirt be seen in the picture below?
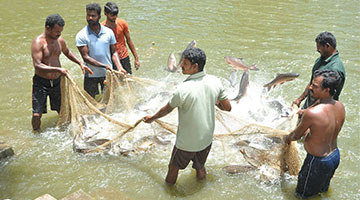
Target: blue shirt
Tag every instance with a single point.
(99, 47)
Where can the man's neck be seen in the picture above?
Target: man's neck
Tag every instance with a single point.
(327, 100)
(49, 39)
(95, 28)
(331, 53)
(110, 24)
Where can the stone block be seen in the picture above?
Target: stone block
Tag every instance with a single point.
(5, 150)
(46, 197)
(78, 195)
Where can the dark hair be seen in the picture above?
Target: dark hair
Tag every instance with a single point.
(94, 6)
(331, 79)
(51, 20)
(111, 8)
(326, 37)
(195, 55)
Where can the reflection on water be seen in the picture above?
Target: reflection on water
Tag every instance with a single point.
(277, 36)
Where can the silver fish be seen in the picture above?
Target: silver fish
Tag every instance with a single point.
(280, 79)
(192, 44)
(171, 66)
(237, 63)
(244, 82)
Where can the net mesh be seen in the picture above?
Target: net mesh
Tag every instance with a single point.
(113, 123)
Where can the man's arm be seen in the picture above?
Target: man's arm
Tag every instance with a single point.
(224, 105)
(69, 54)
(37, 57)
(302, 96)
(133, 50)
(305, 123)
(161, 113)
(116, 60)
(84, 51)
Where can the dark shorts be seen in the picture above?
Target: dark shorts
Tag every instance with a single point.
(181, 159)
(91, 85)
(316, 173)
(41, 89)
(125, 62)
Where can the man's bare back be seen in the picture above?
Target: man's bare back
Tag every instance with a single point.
(327, 120)
(323, 120)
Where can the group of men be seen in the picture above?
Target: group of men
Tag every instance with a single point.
(102, 47)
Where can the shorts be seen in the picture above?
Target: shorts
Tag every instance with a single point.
(316, 173)
(41, 89)
(91, 85)
(180, 159)
(125, 62)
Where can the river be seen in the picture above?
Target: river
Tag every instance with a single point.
(277, 35)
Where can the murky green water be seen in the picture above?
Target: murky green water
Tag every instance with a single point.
(276, 35)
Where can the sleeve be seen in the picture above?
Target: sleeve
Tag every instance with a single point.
(222, 94)
(81, 40)
(175, 101)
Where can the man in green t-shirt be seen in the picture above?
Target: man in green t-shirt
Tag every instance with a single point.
(329, 59)
(195, 99)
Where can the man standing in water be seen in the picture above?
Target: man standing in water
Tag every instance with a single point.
(329, 59)
(195, 99)
(96, 44)
(121, 31)
(45, 51)
(325, 121)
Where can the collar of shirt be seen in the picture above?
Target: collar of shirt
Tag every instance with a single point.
(332, 56)
(195, 76)
(90, 31)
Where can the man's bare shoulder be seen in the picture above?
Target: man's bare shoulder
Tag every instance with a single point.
(314, 112)
(340, 107)
(61, 40)
(38, 43)
(339, 104)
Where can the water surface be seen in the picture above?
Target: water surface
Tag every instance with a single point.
(276, 35)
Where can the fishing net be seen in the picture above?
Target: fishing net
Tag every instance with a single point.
(112, 123)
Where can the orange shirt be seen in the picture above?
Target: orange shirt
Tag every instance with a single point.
(119, 32)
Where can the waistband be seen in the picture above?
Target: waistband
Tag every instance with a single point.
(334, 153)
(45, 79)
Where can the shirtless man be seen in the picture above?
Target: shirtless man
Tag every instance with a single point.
(45, 51)
(324, 121)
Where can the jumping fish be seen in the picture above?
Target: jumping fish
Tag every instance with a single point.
(244, 82)
(237, 63)
(192, 44)
(171, 66)
(280, 79)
